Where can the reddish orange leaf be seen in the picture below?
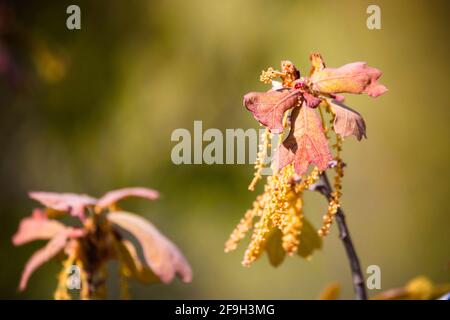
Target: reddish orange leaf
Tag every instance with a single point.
(347, 121)
(161, 255)
(269, 107)
(36, 227)
(70, 202)
(51, 249)
(116, 195)
(305, 144)
(354, 77)
(310, 100)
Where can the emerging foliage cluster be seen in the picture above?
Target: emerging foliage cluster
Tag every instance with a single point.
(102, 233)
(300, 106)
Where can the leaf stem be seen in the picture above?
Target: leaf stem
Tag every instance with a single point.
(324, 187)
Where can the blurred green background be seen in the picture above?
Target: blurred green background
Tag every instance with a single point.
(93, 110)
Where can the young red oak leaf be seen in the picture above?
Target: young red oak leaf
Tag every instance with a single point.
(269, 107)
(75, 204)
(354, 77)
(40, 228)
(70, 202)
(347, 121)
(317, 64)
(305, 144)
(310, 100)
(51, 249)
(36, 227)
(116, 195)
(161, 255)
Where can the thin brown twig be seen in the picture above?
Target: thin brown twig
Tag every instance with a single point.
(324, 187)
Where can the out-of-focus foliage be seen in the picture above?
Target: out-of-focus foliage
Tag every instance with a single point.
(95, 239)
(331, 292)
(137, 70)
(419, 288)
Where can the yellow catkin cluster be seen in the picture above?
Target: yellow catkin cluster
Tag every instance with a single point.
(264, 145)
(270, 207)
(244, 225)
(333, 206)
(85, 292)
(262, 153)
(288, 74)
(279, 186)
(292, 224)
(259, 237)
(268, 75)
(61, 292)
(280, 206)
(334, 202)
(305, 183)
